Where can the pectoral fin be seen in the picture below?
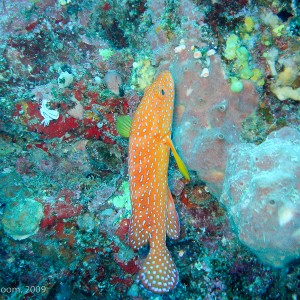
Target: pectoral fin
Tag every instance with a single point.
(181, 166)
(123, 125)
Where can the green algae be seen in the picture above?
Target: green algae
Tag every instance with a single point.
(106, 53)
(122, 200)
(232, 44)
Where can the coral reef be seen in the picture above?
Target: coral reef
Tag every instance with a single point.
(77, 66)
(262, 196)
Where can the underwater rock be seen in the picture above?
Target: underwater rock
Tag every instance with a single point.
(12, 185)
(22, 217)
(262, 196)
(104, 157)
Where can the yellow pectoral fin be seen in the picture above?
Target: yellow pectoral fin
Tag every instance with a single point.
(181, 166)
(123, 125)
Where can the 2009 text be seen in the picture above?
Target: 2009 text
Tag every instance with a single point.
(27, 289)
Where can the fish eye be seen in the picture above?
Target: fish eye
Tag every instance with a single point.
(163, 92)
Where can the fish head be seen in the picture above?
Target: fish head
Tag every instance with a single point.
(160, 97)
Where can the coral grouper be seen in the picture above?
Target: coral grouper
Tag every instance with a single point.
(153, 210)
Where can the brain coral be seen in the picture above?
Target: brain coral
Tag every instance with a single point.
(262, 196)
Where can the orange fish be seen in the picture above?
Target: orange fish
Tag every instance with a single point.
(153, 211)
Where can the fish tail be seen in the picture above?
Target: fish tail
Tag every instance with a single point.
(159, 273)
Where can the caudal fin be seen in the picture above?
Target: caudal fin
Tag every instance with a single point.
(159, 273)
